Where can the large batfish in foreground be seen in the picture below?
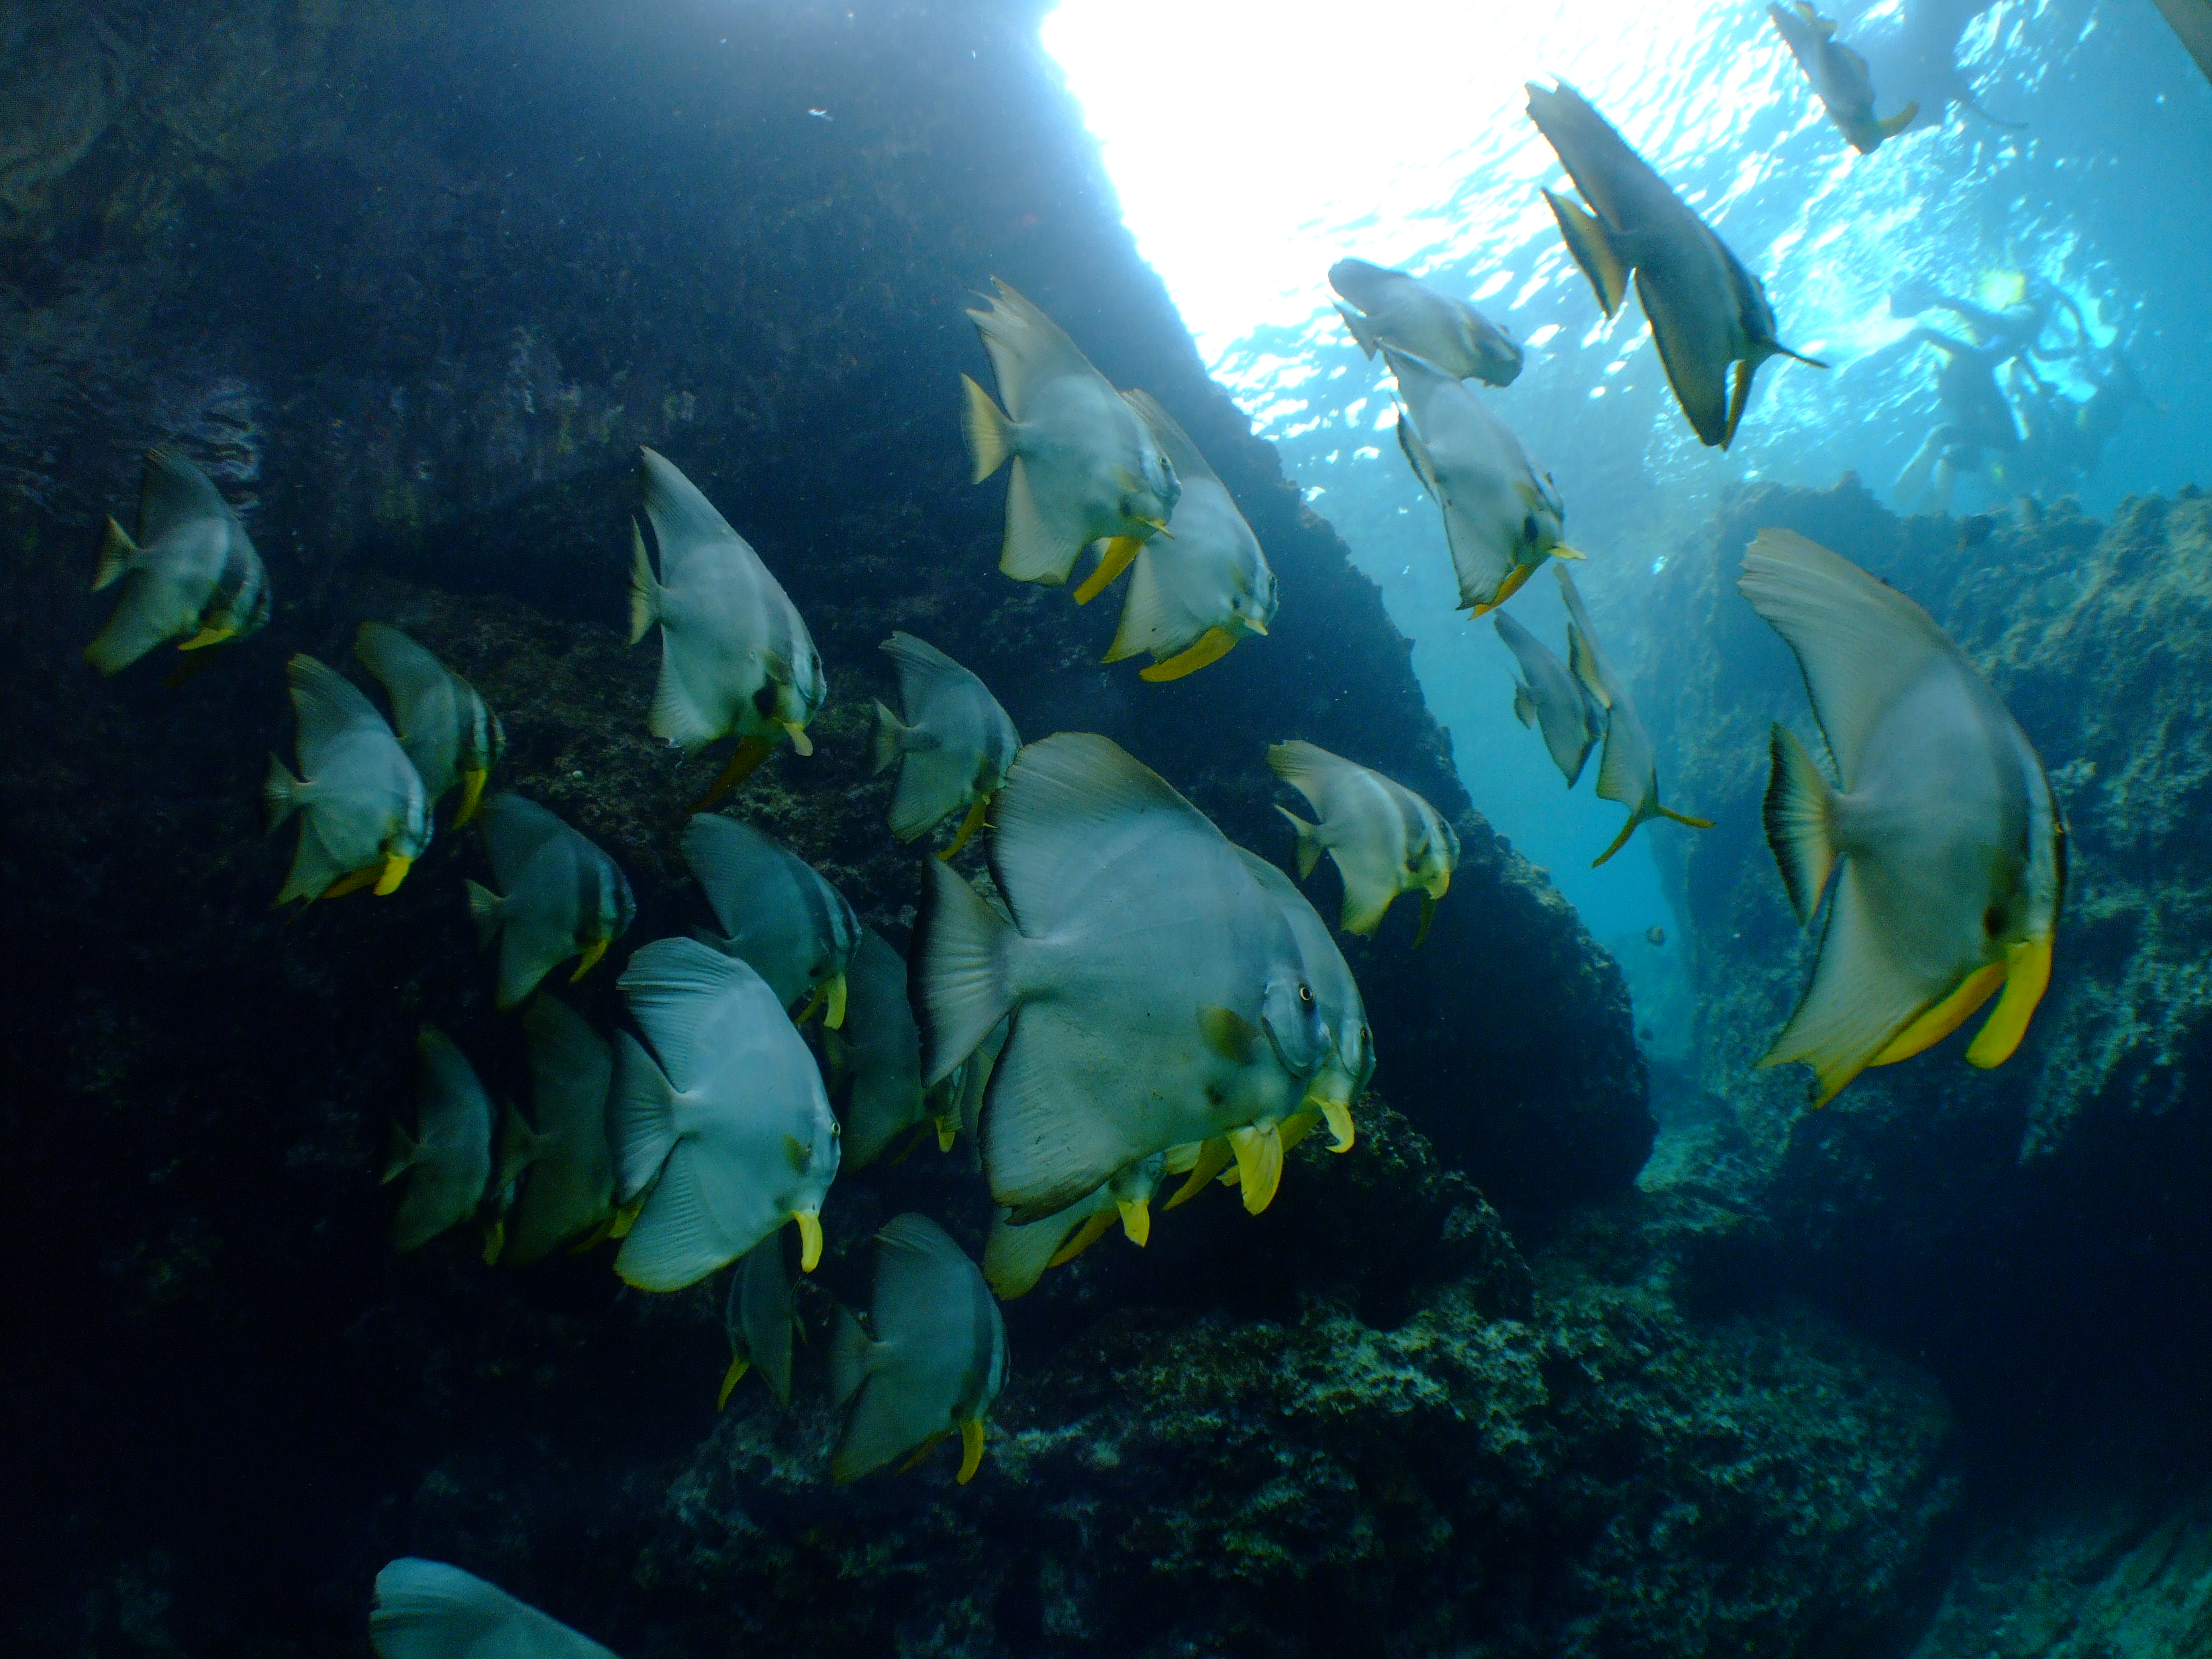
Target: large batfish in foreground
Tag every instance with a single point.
(564, 897)
(1946, 846)
(448, 1160)
(735, 657)
(363, 816)
(1839, 77)
(563, 1161)
(192, 571)
(953, 748)
(1084, 464)
(1627, 772)
(730, 1129)
(428, 1610)
(1386, 840)
(1706, 310)
(777, 912)
(1501, 520)
(1548, 695)
(1390, 308)
(1155, 989)
(446, 728)
(1200, 589)
(928, 1364)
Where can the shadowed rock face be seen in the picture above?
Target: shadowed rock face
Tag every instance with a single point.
(2038, 1230)
(414, 282)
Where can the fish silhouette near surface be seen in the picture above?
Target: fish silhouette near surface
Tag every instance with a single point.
(1839, 77)
(1390, 307)
(1707, 313)
(1942, 855)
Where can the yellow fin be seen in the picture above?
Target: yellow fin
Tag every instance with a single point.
(593, 1239)
(395, 872)
(1229, 1034)
(1428, 915)
(352, 883)
(1945, 1018)
(834, 1019)
(625, 1218)
(1136, 1219)
(1092, 1230)
(922, 1451)
(969, 826)
(948, 1131)
(815, 998)
(751, 752)
(1296, 1127)
(592, 953)
(1214, 1156)
(1259, 1150)
(800, 741)
(1561, 551)
(1213, 645)
(971, 1450)
(1339, 1113)
(1516, 579)
(2028, 975)
(206, 637)
(472, 785)
(810, 1239)
(1116, 558)
(731, 1378)
(494, 1242)
(1673, 817)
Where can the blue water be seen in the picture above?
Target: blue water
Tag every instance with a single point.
(1408, 145)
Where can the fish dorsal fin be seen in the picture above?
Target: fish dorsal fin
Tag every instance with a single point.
(921, 1276)
(408, 672)
(1027, 348)
(683, 518)
(1175, 443)
(429, 1610)
(1604, 169)
(328, 707)
(515, 830)
(672, 985)
(172, 491)
(1310, 769)
(1860, 643)
(740, 868)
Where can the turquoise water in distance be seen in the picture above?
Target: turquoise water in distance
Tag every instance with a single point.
(1253, 147)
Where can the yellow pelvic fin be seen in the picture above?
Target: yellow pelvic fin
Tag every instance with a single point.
(1619, 840)
(395, 872)
(922, 1450)
(969, 826)
(625, 1219)
(1339, 1113)
(1898, 123)
(1092, 1230)
(1673, 817)
(815, 998)
(593, 1239)
(206, 637)
(592, 953)
(1116, 557)
(971, 1450)
(751, 752)
(834, 1019)
(1296, 1127)
(2028, 975)
(494, 1242)
(354, 883)
(1136, 1219)
(1561, 551)
(800, 741)
(810, 1239)
(1213, 645)
(1258, 1149)
(1214, 1156)
(1944, 1017)
(731, 1378)
(472, 785)
(1516, 579)
(948, 1131)
(1428, 915)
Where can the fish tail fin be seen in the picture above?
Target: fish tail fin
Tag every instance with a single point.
(890, 742)
(1593, 250)
(1898, 122)
(1362, 331)
(484, 906)
(644, 591)
(1310, 847)
(985, 424)
(640, 1117)
(957, 974)
(117, 550)
(850, 1351)
(280, 793)
(1800, 817)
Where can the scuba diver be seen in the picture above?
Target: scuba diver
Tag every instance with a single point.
(2064, 439)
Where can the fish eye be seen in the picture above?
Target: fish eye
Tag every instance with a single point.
(1305, 995)
(836, 1129)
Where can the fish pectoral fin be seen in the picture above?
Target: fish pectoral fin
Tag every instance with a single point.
(1092, 1230)
(1945, 1017)
(2028, 975)
(1214, 1156)
(731, 1378)
(472, 785)
(1229, 1034)
(1116, 557)
(810, 1239)
(590, 959)
(834, 1020)
(971, 1450)
(1136, 1219)
(205, 637)
(1258, 1149)
(1213, 645)
(751, 752)
(969, 826)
